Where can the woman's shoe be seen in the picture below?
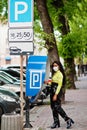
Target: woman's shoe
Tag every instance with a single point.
(69, 123)
(55, 125)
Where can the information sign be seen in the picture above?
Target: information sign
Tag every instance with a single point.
(35, 74)
(20, 13)
(16, 35)
(17, 48)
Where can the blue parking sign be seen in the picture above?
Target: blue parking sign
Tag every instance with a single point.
(20, 13)
(35, 74)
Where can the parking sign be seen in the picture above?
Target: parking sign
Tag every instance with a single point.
(20, 13)
(35, 74)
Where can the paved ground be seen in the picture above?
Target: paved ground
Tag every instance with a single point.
(75, 106)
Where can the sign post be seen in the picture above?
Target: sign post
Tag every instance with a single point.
(27, 124)
(21, 83)
(20, 33)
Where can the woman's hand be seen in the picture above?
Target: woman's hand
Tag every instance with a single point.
(55, 97)
(48, 81)
(45, 82)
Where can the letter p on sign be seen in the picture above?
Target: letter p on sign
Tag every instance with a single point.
(18, 11)
(35, 79)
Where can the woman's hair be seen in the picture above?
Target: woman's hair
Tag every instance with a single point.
(60, 68)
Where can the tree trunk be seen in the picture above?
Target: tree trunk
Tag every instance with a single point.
(69, 63)
(70, 72)
(48, 29)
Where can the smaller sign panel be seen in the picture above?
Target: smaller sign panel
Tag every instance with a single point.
(17, 48)
(35, 74)
(16, 35)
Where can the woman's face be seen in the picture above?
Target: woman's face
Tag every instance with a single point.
(55, 67)
(55, 64)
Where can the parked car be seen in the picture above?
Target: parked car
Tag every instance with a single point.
(14, 67)
(12, 87)
(9, 101)
(13, 72)
(12, 79)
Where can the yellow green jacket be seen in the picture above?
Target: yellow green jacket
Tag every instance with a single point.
(58, 78)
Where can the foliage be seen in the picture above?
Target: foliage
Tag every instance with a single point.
(3, 10)
(74, 44)
(70, 46)
(69, 9)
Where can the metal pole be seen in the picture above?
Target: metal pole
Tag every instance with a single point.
(27, 124)
(21, 86)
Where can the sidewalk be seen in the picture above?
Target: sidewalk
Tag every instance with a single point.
(75, 107)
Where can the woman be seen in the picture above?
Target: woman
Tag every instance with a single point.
(58, 79)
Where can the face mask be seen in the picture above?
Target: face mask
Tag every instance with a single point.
(55, 68)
